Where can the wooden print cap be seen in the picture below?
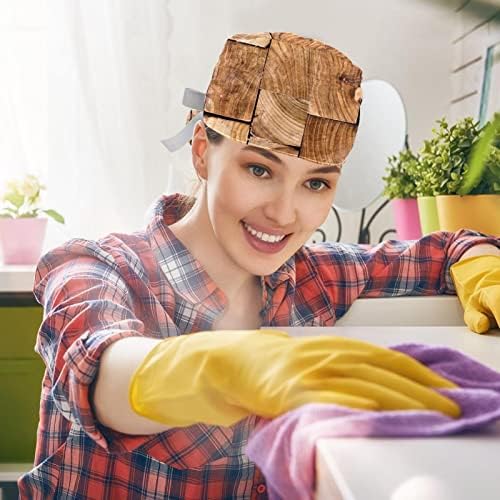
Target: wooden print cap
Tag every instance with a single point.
(286, 93)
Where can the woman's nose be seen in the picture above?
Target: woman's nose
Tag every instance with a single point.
(281, 210)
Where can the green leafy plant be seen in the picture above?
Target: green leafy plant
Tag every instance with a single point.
(443, 158)
(22, 197)
(483, 172)
(399, 181)
(460, 159)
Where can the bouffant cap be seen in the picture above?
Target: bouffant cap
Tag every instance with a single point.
(282, 92)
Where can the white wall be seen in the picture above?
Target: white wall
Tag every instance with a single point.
(476, 27)
(406, 42)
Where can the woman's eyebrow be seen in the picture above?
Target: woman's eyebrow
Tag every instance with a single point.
(326, 169)
(264, 152)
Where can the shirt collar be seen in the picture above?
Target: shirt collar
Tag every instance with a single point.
(184, 272)
(180, 267)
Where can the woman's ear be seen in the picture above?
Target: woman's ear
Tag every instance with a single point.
(199, 150)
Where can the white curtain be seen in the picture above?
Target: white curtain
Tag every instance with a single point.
(23, 88)
(108, 70)
(87, 97)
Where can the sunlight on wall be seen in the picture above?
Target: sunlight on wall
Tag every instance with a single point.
(23, 100)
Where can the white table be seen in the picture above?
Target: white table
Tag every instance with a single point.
(16, 278)
(443, 468)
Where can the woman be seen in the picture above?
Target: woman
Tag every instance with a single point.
(134, 407)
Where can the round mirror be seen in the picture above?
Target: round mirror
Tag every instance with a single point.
(381, 133)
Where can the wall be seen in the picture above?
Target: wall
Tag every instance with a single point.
(476, 27)
(404, 42)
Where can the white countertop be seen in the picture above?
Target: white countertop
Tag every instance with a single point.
(17, 278)
(457, 467)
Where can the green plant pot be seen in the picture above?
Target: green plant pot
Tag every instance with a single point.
(429, 219)
(478, 212)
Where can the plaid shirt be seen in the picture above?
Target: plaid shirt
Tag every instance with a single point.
(148, 284)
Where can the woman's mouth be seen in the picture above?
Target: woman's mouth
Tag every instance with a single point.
(262, 242)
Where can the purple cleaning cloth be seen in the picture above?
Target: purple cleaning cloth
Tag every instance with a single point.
(284, 448)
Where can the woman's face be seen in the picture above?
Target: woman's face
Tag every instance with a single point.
(253, 190)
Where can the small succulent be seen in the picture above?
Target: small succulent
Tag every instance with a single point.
(21, 199)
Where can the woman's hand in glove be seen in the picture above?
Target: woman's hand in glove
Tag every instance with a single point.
(477, 282)
(222, 377)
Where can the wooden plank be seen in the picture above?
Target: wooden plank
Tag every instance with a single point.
(238, 131)
(234, 87)
(333, 88)
(327, 141)
(258, 39)
(287, 70)
(267, 144)
(302, 41)
(280, 118)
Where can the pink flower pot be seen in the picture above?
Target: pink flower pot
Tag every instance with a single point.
(407, 218)
(21, 240)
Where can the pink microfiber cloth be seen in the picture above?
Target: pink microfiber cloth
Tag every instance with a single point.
(284, 448)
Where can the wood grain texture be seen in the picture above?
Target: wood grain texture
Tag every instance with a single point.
(287, 70)
(331, 63)
(280, 118)
(267, 144)
(258, 39)
(327, 141)
(231, 129)
(334, 89)
(233, 90)
(302, 41)
(334, 100)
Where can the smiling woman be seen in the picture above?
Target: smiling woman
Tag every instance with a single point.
(156, 372)
(272, 192)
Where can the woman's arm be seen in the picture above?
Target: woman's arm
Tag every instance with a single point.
(111, 388)
(480, 250)
(421, 267)
(90, 303)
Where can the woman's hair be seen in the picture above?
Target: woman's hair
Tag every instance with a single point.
(213, 136)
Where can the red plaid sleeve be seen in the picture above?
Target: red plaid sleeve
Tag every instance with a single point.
(87, 306)
(391, 268)
(418, 267)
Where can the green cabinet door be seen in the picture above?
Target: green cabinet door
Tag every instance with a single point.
(21, 373)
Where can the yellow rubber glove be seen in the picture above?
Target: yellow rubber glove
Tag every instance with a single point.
(221, 377)
(477, 282)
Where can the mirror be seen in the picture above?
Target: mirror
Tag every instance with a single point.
(381, 133)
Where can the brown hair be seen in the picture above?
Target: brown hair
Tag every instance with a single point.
(213, 136)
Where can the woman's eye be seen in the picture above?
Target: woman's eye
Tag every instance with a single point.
(257, 170)
(317, 185)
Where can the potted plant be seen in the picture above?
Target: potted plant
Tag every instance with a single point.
(429, 174)
(460, 167)
(400, 188)
(22, 225)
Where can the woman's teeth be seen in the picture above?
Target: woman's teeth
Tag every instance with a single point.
(263, 236)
